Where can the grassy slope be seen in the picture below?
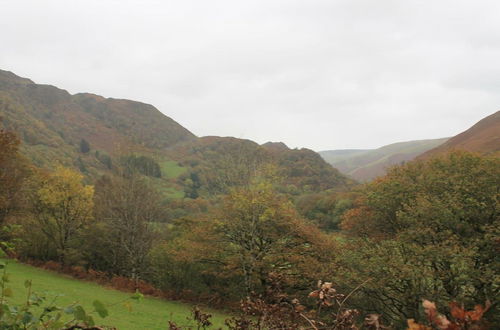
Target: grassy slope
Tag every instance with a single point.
(171, 169)
(150, 313)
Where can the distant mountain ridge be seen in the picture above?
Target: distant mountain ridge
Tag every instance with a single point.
(334, 156)
(365, 165)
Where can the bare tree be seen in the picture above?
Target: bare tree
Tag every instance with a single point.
(127, 206)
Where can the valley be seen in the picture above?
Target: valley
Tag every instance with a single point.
(278, 237)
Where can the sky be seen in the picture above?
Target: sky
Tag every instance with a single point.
(319, 74)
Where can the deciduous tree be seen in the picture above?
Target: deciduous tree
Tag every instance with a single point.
(127, 208)
(253, 232)
(429, 229)
(63, 206)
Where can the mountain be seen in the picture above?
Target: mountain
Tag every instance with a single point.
(53, 123)
(94, 134)
(483, 138)
(365, 165)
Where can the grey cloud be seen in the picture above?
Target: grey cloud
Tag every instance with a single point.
(317, 74)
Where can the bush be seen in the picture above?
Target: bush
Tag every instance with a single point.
(142, 164)
(84, 146)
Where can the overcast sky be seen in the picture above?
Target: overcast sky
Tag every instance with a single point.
(326, 74)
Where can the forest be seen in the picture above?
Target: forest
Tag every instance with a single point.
(276, 240)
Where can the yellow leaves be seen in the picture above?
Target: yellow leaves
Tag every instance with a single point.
(63, 190)
(63, 205)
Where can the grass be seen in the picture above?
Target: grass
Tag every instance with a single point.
(171, 169)
(149, 313)
(171, 192)
(166, 188)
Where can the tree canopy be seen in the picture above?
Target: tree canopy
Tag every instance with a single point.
(429, 229)
(63, 206)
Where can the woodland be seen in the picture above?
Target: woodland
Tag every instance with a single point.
(428, 230)
(114, 192)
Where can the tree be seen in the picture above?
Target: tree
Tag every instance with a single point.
(84, 146)
(104, 159)
(326, 208)
(254, 232)
(13, 171)
(429, 229)
(63, 206)
(142, 164)
(126, 208)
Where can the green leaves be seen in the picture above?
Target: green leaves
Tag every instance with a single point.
(427, 229)
(137, 296)
(100, 308)
(69, 310)
(28, 318)
(81, 315)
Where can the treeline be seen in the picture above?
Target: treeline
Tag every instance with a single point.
(427, 230)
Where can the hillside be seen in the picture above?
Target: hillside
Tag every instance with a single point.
(218, 163)
(364, 165)
(52, 123)
(483, 138)
(335, 156)
(94, 134)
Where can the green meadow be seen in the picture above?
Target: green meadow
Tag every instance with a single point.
(124, 313)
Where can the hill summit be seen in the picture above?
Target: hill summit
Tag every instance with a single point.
(97, 135)
(52, 123)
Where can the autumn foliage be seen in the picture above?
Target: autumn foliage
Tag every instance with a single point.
(428, 229)
(460, 318)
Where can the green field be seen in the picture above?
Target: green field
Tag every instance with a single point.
(171, 169)
(149, 313)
